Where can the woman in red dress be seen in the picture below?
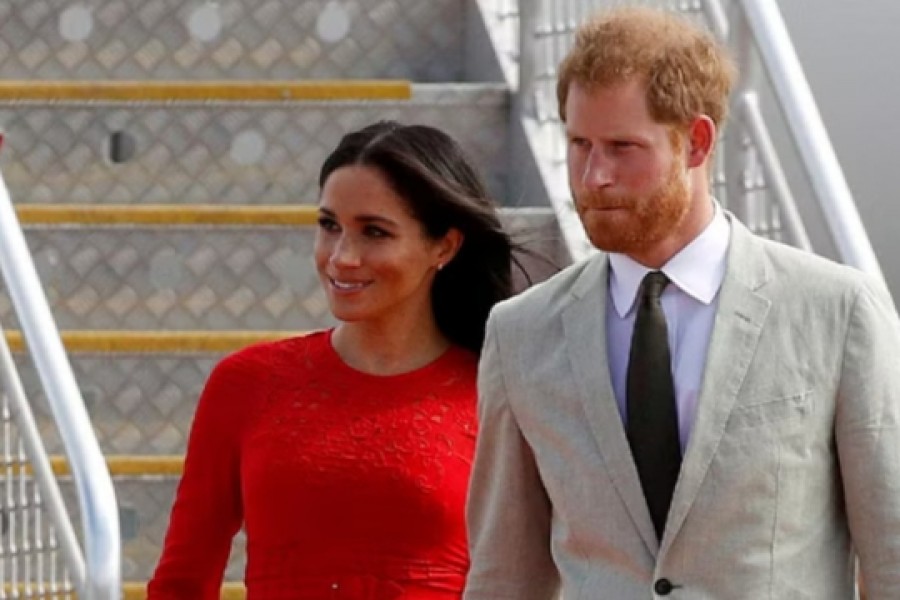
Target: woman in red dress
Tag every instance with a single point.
(345, 454)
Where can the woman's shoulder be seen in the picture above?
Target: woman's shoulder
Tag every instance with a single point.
(456, 368)
(285, 353)
(462, 359)
(256, 373)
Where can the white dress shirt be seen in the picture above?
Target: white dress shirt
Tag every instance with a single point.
(689, 303)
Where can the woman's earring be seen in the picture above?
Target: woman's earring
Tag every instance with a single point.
(440, 266)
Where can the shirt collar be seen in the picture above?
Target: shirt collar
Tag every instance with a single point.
(697, 270)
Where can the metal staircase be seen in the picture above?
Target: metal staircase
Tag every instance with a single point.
(163, 158)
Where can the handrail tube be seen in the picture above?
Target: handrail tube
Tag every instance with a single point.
(718, 20)
(100, 517)
(759, 132)
(805, 123)
(40, 462)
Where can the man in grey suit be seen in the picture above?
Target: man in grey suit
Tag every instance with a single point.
(698, 413)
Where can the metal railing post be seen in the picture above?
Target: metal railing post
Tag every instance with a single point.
(748, 111)
(40, 461)
(736, 146)
(527, 102)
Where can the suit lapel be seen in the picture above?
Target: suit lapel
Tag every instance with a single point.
(739, 321)
(584, 323)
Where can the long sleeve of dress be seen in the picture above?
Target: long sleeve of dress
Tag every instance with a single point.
(207, 511)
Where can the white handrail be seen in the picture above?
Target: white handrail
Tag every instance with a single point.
(816, 152)
(96, 496)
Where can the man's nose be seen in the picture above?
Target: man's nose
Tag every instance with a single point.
(597, 171)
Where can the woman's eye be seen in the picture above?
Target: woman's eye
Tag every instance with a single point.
(376, 232)
(326, 224)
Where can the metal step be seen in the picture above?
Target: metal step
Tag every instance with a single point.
(246, 39)
(12, 91)
(152, 150)
(177, 277)
(145, 490)
(140, 388)
(195, 267)
(133, 590)
(145, 502)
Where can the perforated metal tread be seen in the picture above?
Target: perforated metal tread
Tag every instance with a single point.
(222, 152)
(243, 39)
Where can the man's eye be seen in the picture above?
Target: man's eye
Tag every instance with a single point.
(578, 142)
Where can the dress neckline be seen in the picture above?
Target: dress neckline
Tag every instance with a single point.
(440, 363)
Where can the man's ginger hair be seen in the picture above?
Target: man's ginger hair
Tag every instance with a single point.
(687, 73)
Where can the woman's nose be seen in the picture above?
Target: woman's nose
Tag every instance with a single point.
(345, 252)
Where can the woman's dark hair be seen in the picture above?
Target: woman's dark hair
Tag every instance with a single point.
(428, 169)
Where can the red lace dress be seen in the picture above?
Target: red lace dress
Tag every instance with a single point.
(349, 485)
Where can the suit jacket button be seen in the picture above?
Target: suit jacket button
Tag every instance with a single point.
(663, 587)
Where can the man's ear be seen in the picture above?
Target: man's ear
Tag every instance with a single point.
(701, 140)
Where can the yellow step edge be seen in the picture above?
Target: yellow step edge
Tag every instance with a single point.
(205, 91)
(128, 465)
(163, 465)
(138, 591)
(131, 590)
(156, 341)
(166, 214)
(30, 590)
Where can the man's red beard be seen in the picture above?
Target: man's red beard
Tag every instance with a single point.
(639, 222)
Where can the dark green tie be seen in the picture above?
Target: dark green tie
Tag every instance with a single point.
(652, 414)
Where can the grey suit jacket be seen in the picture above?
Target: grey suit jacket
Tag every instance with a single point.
(792, 469)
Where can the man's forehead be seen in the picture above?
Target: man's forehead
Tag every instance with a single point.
(623, 102)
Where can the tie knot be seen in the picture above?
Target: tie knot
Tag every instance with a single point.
(653, 285)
